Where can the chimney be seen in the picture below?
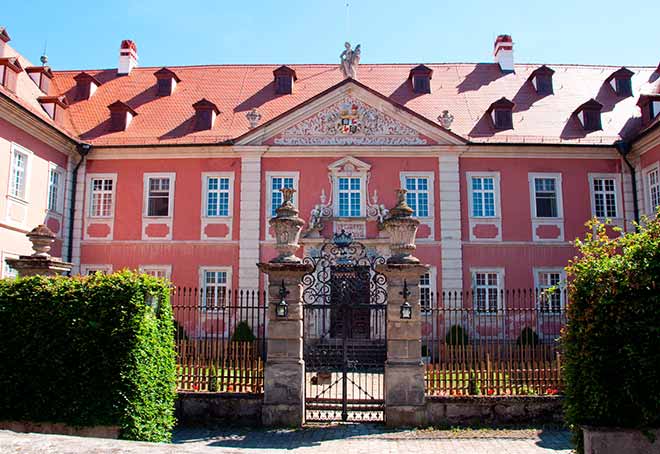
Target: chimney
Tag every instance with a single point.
(4, 39)
(128, 57)
(503, 53)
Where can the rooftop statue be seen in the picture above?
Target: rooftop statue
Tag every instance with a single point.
(349, 60)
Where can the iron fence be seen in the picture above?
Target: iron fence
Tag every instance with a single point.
(494, 342)
(220, 339)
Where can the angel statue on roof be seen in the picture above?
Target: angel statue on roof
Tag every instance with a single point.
(349, 60)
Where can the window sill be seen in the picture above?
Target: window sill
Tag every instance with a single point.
(13, 198)
(163, 218)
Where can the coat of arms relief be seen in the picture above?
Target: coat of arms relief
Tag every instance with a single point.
(350, 122)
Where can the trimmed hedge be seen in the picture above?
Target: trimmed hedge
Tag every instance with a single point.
(611, 342)
(89, 351)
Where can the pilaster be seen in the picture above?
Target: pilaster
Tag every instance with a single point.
(450, 222)
(250, 206)
(78, 216)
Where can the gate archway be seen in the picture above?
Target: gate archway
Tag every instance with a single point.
(345, 340)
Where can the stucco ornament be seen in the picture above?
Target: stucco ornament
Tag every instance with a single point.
(349, 122)
(349, 60)
(402, 228)
(320, 212)
(376, 210)
(287, 226)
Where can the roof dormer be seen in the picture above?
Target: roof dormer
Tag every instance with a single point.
(588, 114)
(9, 69)
(166, 81)
(620, 82)
(284, 79)
(54, 106)
(420, 77)
(205, 114)
(121, 115)
(501, 113)
(4, 39)
(42, 76)
(86, 85)
(541, 79)
(650, 107)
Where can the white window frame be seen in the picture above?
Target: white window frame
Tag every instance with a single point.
(202, 282)
(432, 287)
(145, 198)
(269, 196)
(16, 148)
(101, 176)
(165, 269)
(61, 188)
(5, 266)
(617, 195)
(558, 194)
(497, 196)
(362, 192)
(500, 286)
(87, 268)
(650, 209)
(429, 176)
(539, 287)
(205, 194)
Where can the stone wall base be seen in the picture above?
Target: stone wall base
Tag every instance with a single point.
(598, 440)
(405, 416)
(60, 429)
(282, 415)
(218, 408)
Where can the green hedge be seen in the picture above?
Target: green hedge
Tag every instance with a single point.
(611, 342)
(89, 351)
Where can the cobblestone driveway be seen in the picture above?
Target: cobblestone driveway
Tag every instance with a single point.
(328, 439)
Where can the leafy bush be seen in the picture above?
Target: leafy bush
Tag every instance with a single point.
(456, 336)
(611, 342)
(243, 333)
(527, 337)
(89, 351)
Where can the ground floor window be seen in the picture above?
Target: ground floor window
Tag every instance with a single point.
(215, 288)
(550, 294)
(486, 288)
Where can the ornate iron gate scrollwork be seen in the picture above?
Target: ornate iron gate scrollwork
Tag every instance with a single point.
(345, 301)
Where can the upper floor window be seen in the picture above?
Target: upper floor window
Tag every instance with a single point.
(654, 190)
(277, 183)
(418, 195)
(620, 80)
(102, 195)
(589, 115)
(284, 79)
(215, 288)
(604, 197)
(421, 79)
(19, 161)
(486, 287)
(546, 193)
(501, 112)
(217, 196)
(550, 301)
(541, 78)
(350, 196)
(54, 190)
(158, 196)
(483, 197)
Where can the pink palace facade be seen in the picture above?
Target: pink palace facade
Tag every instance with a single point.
(175, 171)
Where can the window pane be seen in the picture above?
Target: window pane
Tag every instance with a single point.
(158, 206)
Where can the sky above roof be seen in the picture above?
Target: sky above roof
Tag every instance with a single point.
(82, 34)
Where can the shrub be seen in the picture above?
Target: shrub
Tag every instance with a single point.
(611, 341)
(243, 333)
(89, 351)
(527, 337)
(456, 336)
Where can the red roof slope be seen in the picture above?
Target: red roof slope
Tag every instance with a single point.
(465, 89)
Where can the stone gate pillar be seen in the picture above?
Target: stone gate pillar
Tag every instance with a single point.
(41, 262)
(404, 369)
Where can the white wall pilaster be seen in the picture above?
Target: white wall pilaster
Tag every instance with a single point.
(450, 222)
(248, 274)
(78, 217)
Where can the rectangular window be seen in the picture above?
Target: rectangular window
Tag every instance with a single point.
(425, 292)
(277, 183)
(545, 197)
(350, 196)
(217, 196)
(215, 289)
(54, 188)
(162, 271)
(7, 271)
(486, 292)
(623, 87)
(483, 197)
(418, 195)
(549, 302)
(102, 193)
(18, 174)
(654, 190)
(604, 192)
(158, 197)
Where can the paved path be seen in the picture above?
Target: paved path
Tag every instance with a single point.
(328, 439)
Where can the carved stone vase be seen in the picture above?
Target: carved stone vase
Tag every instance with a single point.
(287, 226)
(402, 229)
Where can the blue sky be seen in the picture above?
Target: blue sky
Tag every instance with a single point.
(86, 34)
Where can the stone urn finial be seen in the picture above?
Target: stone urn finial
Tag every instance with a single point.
(402, 228)
(42, 239)
(287, 226)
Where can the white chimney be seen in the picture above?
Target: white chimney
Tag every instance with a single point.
(503, 53)
(128, 57)
(4, 39)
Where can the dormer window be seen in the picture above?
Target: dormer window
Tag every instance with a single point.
(41, 75)
(166, 81)
(650, 106)
(86, 85)
(589, 115)
(501, 112)
(54, 106)
(9, 69)
(121, 115)
(205, 114)
(284, 78)
(621, 83)
(420, 77)
(541, 78)
(4, 36)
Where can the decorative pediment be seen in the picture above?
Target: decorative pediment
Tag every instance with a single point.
(350, 121)
(348, 165)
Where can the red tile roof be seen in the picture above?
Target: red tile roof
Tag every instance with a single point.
(467, 90)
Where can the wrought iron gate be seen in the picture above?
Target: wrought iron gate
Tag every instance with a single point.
(345, 333)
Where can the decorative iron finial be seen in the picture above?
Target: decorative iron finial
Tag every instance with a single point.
(342, 239)
(44, 58)
(446, 119)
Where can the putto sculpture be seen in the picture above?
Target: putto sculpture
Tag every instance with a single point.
(349, 60)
